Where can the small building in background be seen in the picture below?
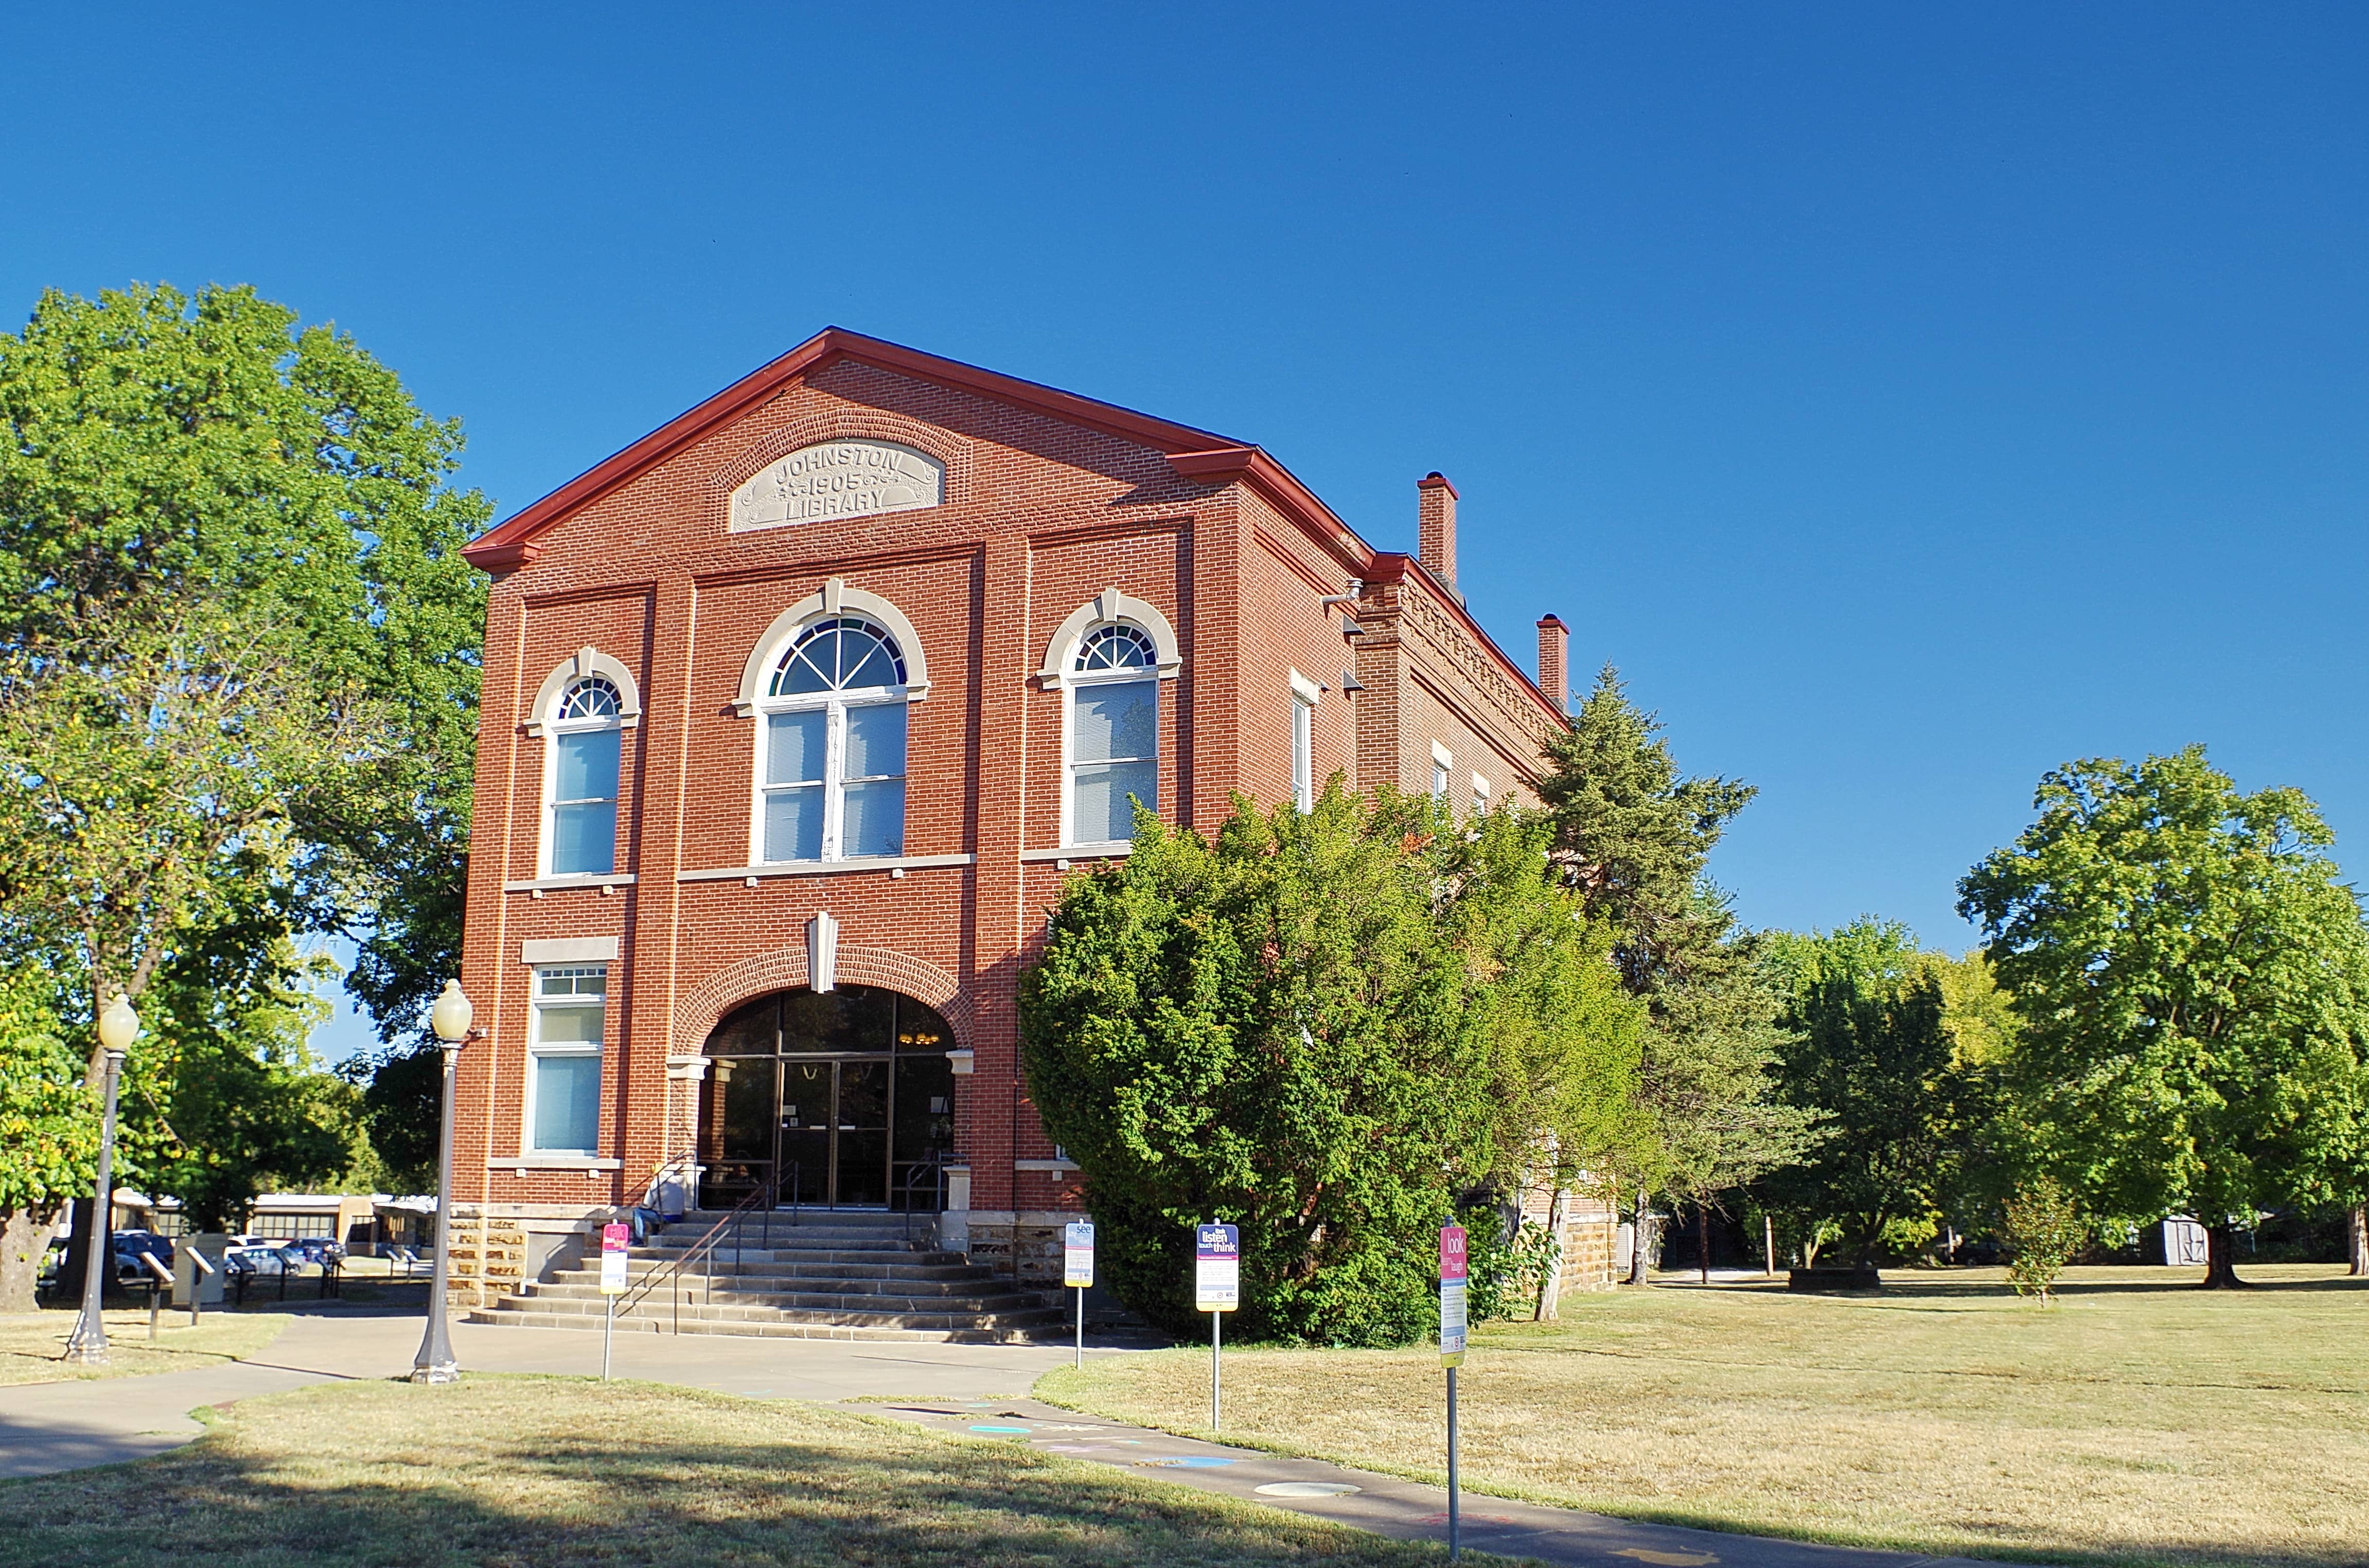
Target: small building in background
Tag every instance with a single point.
(296, 1217)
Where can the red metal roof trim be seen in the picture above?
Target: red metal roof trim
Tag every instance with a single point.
(496, 550)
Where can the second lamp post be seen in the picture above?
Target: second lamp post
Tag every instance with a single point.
(449, 1019)
(118, 1027)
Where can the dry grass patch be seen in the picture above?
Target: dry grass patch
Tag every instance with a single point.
(33, 1344)
(541, 1472)
(2137, 1422)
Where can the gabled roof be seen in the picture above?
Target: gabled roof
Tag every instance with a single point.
(1197, 453)
(1194, 454)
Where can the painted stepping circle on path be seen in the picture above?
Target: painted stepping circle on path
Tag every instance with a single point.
(1306, 1489)
(1018, 1431)
(1187, 1462)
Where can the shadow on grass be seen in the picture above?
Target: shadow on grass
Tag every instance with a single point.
(378, 1484)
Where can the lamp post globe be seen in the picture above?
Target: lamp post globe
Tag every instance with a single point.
(451, 1015)
(449, 1020)
(118, 1027)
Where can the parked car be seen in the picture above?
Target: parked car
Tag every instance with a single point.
(261, 1259)
(238, 1246)
(129, 1245)
(318, 1250)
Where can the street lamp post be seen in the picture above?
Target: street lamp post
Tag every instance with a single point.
(449, 1019)
(117, 1026)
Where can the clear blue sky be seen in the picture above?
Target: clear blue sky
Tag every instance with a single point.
(1906, 398)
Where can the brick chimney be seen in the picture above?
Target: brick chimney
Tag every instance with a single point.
(1436, 526)
(1554, 662)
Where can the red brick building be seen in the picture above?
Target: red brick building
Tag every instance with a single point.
(798, 710)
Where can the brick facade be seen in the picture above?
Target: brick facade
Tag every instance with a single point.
(1049, 502)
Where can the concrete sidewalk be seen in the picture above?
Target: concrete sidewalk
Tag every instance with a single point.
(1387, 1506)
(48, 1427)
(977, 1391)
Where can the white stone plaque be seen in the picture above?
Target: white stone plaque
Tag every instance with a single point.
(854, 478)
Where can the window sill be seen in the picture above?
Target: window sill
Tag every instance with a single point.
(1044, 1164)
(587, 1163)
(547, 884)
(1115, 849)
(826, 868)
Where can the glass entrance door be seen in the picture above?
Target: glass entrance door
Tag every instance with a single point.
(834, 1133)
(809, 1094)
(858, 1160)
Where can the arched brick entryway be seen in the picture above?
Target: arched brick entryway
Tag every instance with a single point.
(784, 968)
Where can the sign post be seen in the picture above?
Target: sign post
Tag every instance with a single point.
(1217, 1289)
(1077, 1270)
(614, 1241)
(1451, 1355)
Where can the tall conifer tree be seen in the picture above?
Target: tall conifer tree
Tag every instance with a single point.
(1633, 835)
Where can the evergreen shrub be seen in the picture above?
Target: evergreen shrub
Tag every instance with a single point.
(1320, 1026)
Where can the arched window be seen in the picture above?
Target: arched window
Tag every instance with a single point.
(831, 761)
(1114, 733)
(579, 836)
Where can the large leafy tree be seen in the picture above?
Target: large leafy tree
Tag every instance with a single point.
(48, 1127)
(2193, 983)
(1632, 836)
(1876, 1046)
(238, 672)
(1325, 1027)
(163, 449)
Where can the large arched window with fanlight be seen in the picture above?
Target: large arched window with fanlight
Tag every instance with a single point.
(1114, 734)
(831, 757)
(580, 835)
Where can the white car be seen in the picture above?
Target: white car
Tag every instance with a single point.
(257, 1254)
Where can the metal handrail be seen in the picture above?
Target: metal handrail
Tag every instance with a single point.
(934, 1163)
(766, 1196)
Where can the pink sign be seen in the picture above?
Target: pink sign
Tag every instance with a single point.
(1451, 1252)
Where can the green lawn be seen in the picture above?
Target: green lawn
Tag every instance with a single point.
(542, 1472)
(2138, 1421)
(32, 1344)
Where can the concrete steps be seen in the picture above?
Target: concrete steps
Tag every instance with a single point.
(832, 1276)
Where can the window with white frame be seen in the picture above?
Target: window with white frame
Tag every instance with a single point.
(1303, 749)
(585, 730)
(831, 759)
(1480, 794)
(562, 1093)
(1114, 734)
(1443, 765)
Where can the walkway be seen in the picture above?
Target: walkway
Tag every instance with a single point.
(976, 1391)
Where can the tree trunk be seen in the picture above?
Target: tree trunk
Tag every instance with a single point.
(70, 1272)
(2358, 1232)
(1550, 1279)
(24, 1240)
(1641, 1256)
(1702, 1238)
(2221, 1259)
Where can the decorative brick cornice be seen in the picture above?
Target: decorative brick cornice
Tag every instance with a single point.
(784, 968)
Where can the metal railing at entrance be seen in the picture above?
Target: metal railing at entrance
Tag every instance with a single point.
(933, 1166)
(764, 1200)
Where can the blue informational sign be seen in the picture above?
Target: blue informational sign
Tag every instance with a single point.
(1216, 1268)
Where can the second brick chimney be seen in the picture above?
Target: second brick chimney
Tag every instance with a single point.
(1435, 528)
(1554, 667)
